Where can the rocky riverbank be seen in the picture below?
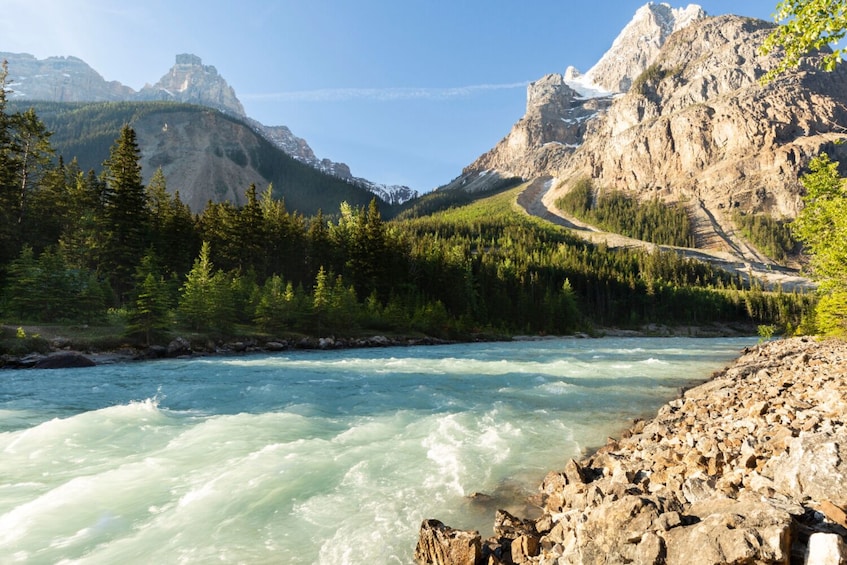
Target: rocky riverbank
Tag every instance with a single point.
(748, 468)
(61, 357)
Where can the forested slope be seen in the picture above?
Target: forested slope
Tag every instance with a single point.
(204, 153)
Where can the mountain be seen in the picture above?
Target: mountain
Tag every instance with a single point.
(59, 79)
(692, 124)
(68, 79)
(638, 44)
(189, 80)
(560, 106)
(204, 153)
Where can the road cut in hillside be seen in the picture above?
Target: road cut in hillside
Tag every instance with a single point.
(535, 201)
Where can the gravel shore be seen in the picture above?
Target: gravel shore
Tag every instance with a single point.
(748, 468)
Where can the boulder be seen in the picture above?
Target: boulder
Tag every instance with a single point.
(441, 545)
(510, 527)
(730, 531)
(64, 360)
(618, 527)
(523, 548)
(814, 467)
(179, 346)
(826, 549)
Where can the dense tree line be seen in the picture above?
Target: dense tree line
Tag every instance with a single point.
(626, 287)
(614, 211)
(77, 244)
(773, 237)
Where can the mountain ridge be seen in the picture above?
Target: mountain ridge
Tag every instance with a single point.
(70, 79)
(205, 154)
(695, 126)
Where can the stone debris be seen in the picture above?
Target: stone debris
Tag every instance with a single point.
(750, 467)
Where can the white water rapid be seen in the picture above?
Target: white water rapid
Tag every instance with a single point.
(330, 457)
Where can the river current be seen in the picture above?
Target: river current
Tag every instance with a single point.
(330, 457)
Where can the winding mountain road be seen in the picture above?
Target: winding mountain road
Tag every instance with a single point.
(535, 201)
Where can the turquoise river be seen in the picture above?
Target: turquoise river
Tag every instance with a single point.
(330, 457)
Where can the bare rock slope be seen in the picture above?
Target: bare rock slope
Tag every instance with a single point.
(750, 467)
(695, 125)
(560, 107)
(698, 126)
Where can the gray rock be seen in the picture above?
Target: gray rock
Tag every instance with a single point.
(814, 467)
(441, 545)
(189, 80)
(511, 527)
(179, 346)
(64, 360)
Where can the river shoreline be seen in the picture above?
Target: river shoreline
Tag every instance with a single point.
(59, 352)
(749, 467)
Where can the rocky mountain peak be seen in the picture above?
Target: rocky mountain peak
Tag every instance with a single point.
(60, 79)
(638, 44)
(694, 124)
(189, 80)
(697, 127)
(559, 108)
(551, 93)
(69, 79)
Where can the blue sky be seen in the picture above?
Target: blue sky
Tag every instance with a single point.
(403, 91)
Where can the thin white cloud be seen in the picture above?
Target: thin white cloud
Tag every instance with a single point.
(380, 94)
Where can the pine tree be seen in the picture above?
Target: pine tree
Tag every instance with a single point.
(126, 218)
(150, 315)
(321, 298)
(80, 240)
(179, 239)
(196, 293)
(172, 230)
(320, 252)
(250, 235)
(9, 236)
(206, 298)
(271, 311)
(369, 251)
(34, 153)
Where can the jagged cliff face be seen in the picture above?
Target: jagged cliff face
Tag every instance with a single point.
(560, 107)
(695, 125)
(639, 43)
(552, 128)
(189, 80)
(59, 79)
(701, 128)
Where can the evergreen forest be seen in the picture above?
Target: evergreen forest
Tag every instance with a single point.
(104, 249)
(614, 211)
